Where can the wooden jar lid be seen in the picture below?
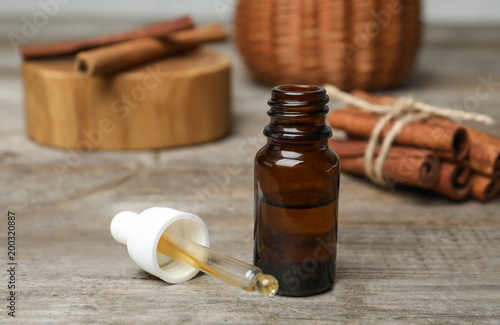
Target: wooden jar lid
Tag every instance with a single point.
(176, 101)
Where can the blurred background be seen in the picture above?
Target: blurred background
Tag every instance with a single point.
(435, 11)
(405, 252)
(445, 22)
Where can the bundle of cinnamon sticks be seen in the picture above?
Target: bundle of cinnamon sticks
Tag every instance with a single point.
(110, 54)
(435, 153)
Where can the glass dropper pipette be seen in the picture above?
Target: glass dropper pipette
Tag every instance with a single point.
(226, 268)
(183, 237)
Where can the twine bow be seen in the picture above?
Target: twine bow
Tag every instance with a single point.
(404, 111)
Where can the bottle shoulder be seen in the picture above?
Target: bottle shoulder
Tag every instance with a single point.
(297, 158)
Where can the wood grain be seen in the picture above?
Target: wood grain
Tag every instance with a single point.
(176, 101)
(404, 257)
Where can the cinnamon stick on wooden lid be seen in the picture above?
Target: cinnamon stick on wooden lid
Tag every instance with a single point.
(125, 55)
(50, 50)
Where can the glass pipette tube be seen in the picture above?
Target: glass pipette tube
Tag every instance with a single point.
(226, 268)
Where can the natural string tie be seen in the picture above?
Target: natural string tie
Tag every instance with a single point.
(404, 111)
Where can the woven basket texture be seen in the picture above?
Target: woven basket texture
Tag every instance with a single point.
(364, 44)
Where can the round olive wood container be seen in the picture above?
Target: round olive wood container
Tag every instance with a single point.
(176, 101)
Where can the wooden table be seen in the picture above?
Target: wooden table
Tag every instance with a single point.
(403, 257)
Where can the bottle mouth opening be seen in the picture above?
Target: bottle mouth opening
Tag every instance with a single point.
(292, 96)
(297, 113)
(293, 89)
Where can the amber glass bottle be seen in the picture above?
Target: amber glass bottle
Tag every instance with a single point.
(296, 193)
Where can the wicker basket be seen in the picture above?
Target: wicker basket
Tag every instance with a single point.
(366, 44)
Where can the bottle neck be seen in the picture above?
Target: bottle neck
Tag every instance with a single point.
(298, 116)
(284, 144)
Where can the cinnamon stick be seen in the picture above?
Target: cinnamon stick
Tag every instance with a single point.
(484, 154)
(118, 57)
(50, 50)
(454, 180)
(484, 188)
(446, 139)
(404, 165)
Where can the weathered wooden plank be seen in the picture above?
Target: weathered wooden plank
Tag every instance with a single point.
(406, 257)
